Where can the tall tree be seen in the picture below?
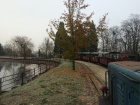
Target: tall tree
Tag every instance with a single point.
(46, 48)
(100, 29)
(8, 47)
(60, 34)
(92, 38)
(24, 45)
(114, 38)
(105, 42)
(77, 26)
(131, 34)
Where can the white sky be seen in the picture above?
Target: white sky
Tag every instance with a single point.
(31, 17)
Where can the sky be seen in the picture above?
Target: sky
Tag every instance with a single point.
(31, 17)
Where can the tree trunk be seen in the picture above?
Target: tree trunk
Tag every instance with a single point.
(24, 54)
(73, 64)
(125, 47)
(103, 45)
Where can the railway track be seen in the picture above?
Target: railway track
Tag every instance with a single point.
(93, 79)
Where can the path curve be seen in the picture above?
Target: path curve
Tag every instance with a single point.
(98, 70)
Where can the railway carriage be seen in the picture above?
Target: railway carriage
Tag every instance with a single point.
(103, 58)
(85, 56)
(94, 57)
(124, 83)
(110, 57)
(99, 57)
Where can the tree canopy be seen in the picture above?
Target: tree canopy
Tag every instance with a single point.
(23, 45)
(74, 31)
(92, 39)
(46, 48)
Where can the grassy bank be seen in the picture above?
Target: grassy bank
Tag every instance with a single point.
(59, 86)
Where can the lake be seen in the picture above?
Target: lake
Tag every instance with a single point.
(14, 74)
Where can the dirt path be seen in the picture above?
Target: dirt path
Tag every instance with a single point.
(92, 94)
(95, 71)
(98, 70)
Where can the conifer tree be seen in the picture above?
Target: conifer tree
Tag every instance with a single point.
(60, 35)
(92, 38)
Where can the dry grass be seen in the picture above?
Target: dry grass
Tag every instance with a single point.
(59, 86)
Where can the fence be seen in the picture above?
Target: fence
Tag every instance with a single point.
(12, 81)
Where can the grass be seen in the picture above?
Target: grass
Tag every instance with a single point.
(59, 86)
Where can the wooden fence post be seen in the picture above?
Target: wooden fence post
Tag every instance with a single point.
(22, 78)
(49, 65)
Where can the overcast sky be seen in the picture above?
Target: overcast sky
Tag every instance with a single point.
(31, 17)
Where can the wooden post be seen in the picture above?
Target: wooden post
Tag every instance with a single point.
(22, 78)
(49, 64)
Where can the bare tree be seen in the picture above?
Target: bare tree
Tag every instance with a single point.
(115, 38)
(46, 48)
(111, 39)
(105, 41)
(100, 30)
(10, 49)
(23, 45)
(131, 34)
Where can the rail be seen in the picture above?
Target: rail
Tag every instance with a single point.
(18, 79)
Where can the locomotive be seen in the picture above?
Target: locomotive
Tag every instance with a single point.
(124, 83)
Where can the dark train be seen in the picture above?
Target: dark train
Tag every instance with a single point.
(122, 80)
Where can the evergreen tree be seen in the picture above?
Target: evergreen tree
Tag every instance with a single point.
(92, 39)
(60, 35)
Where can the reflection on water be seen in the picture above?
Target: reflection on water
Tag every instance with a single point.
(9, 68)
(14, 74)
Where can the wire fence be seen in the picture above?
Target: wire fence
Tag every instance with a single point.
(12, 81)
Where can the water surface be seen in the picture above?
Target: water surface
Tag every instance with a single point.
(12, 74)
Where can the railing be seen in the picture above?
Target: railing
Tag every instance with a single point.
(12, 81)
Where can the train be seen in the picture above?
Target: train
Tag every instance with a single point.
(103, 58)
(124, 83)
(122, 80)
